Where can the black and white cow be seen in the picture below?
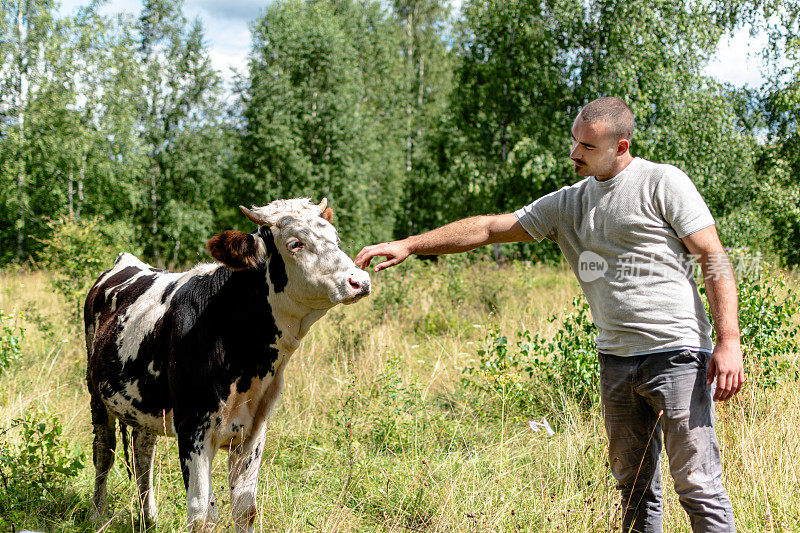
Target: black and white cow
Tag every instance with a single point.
(200, 355)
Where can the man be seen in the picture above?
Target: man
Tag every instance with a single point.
(628, 231)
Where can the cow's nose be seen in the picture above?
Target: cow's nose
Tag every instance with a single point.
(360, 286)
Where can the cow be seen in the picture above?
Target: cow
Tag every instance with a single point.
(200, 355)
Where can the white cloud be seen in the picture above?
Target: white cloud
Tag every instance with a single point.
(738, 59)
(227, 34)
(226, 26)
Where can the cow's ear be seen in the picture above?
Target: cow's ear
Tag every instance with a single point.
(237, 250)
(327, 214)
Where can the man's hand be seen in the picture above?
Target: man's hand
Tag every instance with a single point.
(726, 365)
(395, 253)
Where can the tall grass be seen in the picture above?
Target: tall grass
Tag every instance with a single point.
(376, 432)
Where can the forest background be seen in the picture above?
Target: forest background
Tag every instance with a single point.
(406, 114)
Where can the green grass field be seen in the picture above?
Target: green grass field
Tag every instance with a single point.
(375, 430)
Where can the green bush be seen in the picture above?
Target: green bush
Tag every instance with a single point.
(502, 374)
(78, 251)
(11, 335)
(35, 466)
(391, 415)
(395, 409)
(528, 375)
(458, 288)
(767, 310)
(569, 362)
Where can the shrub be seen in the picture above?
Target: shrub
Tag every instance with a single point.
(11, 335)
(528, 375)
(767, 309)
(503, 374)
(35, 467)
(395, 409)
(569, 362)
(77, 251)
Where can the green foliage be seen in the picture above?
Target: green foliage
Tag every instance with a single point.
(181, 114)
(452, 290)
(768, 310)
(568, 362)
(525, 377)
(77, 251)
(11, 335)
(395, 409)
(321, 110)
(404, 117)
(502, 375)
(36, 466)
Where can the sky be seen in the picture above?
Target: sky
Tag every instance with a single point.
(227, 34)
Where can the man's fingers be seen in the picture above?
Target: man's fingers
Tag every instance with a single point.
(734, 385)
(726, 366)
(724, 383)
(738, 381)
(712, 371)
(364, 257)
(363, 261)
(720, 378)
(386, 264)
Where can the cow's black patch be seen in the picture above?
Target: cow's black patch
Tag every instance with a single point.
(168, 290)
(223, 334)
(122, 276)
(277, 268)
(191, 440)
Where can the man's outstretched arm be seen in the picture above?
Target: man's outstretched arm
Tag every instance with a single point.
(726, 362)
(459, 236)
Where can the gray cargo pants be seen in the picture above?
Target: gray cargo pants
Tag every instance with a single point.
(633, 391)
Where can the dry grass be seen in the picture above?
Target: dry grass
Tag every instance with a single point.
(375, 432)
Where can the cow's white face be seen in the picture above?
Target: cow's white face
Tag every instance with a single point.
(319, 273)
(301, 248)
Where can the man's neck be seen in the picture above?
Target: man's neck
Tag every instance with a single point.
(620, 165)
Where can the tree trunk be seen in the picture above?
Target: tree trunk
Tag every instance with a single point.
(81, 180)
(420, 92)
(175, 250)
(410, 103)
(22, 88)
(70, 195)
(154, 214)
(497, 250)
(503, 140)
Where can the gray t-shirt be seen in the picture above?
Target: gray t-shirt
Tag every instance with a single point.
(622, 238)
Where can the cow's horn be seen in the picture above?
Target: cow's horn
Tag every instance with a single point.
(253, 217)
(323, 204)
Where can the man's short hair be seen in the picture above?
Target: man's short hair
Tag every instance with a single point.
(614, 111)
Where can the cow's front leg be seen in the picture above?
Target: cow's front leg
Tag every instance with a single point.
(243, 465)
(197, 455)
(144, 449)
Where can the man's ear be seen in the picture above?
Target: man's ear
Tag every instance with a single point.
(327, 214)
(237, 250)
(623, 145)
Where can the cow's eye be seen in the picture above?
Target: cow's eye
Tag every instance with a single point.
(294, 246)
